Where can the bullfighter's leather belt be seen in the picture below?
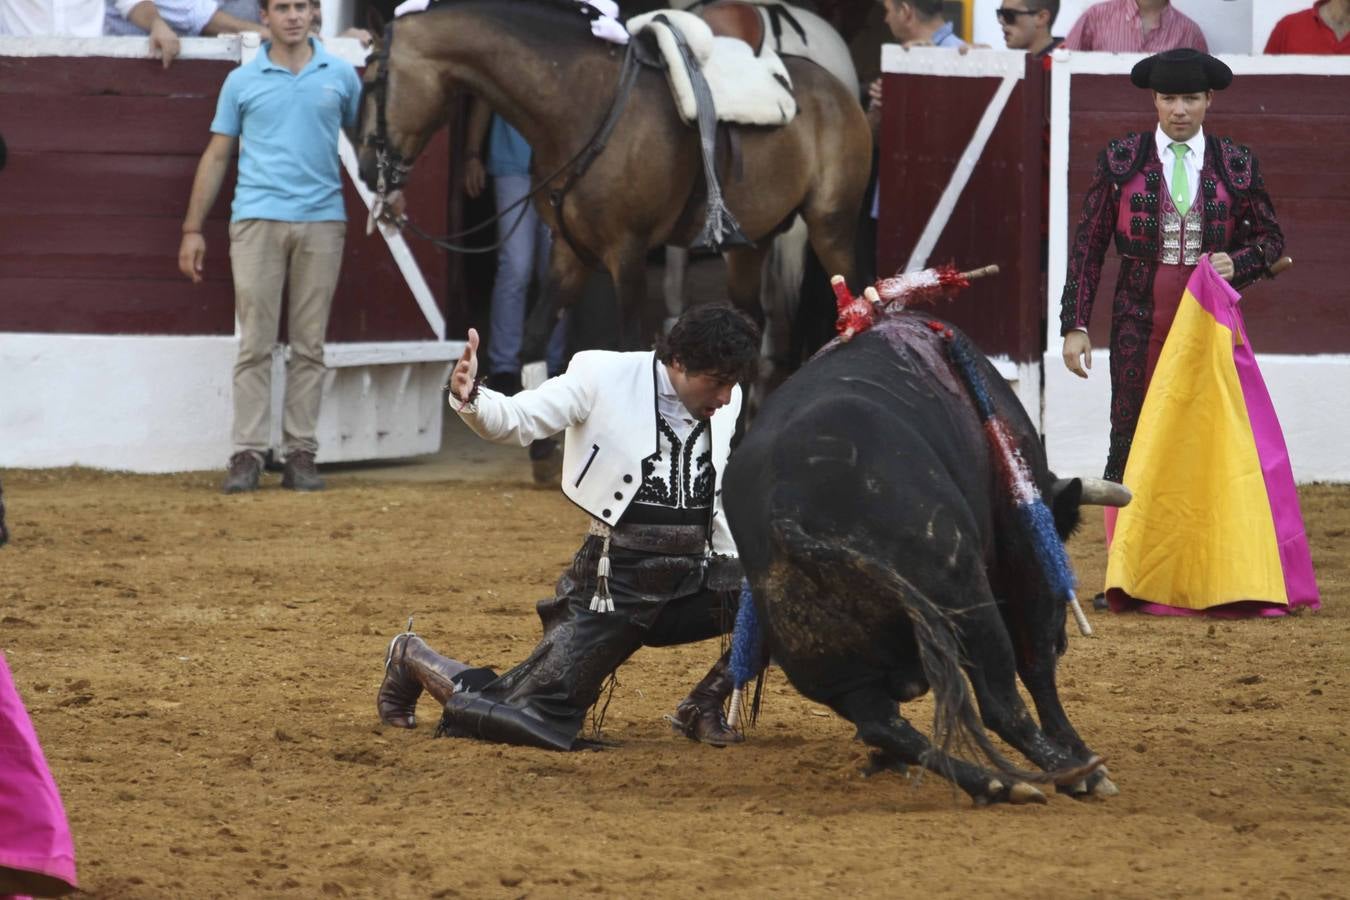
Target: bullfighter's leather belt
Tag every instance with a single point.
(673, 540)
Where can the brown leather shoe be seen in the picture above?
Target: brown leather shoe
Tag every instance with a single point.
(400, 689)
(299, 473)
(244, 472)
(699, 716)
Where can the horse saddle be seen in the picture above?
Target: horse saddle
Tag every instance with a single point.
(786, 30)
(737, 19)
(746, 89)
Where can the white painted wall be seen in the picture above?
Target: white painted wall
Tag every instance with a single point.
(1230, 26)
(163, 404)
(143, 404)
(1308, 392)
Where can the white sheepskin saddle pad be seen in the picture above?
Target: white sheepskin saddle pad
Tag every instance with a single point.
(746, 89)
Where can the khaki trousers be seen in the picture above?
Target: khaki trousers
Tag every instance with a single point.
(265, 256)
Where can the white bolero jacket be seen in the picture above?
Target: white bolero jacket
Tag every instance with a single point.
(606, 402)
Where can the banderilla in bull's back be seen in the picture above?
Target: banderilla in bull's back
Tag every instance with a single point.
(900, 291)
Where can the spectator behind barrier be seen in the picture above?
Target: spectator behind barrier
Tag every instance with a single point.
(919, 23)
(1026, 25)
(1134, 26)
(85, 18)
(914, 23)
(188, 18)
(1322, 29)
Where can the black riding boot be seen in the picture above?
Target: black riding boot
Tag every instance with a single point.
(543, 701)
(699, 716)
(409, 668)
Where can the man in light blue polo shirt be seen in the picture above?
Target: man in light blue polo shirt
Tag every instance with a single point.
(287, 226)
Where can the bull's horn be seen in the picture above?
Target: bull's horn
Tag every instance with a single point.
(1099, 492)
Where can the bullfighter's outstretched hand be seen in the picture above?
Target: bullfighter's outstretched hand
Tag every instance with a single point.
(461, 379)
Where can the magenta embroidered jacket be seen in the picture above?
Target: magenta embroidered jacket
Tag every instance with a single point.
(1127, 205)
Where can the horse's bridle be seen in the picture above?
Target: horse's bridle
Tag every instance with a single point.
(391, 169)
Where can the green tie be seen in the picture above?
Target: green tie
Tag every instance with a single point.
(1181, 185)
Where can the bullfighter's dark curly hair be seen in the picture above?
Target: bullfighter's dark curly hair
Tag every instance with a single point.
(713, 339)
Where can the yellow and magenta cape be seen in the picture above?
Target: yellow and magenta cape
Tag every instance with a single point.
(1215, 524)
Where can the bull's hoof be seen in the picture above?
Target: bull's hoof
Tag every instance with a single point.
(1019, 793)
(1077, 773)
(1077, 789)
(1098, 784)
(878, 762)
(1105, 787)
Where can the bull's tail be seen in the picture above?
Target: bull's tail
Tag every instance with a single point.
(956, 722)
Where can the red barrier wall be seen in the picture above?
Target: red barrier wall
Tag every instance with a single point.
(101, 158)
(927, 123)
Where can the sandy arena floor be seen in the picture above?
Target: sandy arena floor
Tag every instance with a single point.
(202, 670)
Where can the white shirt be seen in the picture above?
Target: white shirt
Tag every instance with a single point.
(668, 404)
(75, 18)
(1194, 161)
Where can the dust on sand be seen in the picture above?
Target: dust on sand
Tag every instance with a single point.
(202, 671)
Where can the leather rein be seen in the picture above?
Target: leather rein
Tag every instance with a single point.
(392, 169)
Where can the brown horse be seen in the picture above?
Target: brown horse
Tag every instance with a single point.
(536, 63)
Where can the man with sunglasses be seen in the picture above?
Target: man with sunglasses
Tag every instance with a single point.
(1026, 25)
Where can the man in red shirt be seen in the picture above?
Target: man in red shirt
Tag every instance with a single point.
(1325, 28)
(1134, 26)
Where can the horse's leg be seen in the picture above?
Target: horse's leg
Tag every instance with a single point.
(672, 281)
(561, 288)
(780, 295)
(745, 272)
(833, 234)
(639, 322)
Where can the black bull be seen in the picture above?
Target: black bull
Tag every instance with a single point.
(885, 556)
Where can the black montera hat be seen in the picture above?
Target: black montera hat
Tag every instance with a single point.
(1184, 71)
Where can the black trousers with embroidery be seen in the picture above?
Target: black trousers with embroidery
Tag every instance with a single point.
(659, 601)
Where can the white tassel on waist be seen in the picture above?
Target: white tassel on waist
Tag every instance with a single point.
(602, 601)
